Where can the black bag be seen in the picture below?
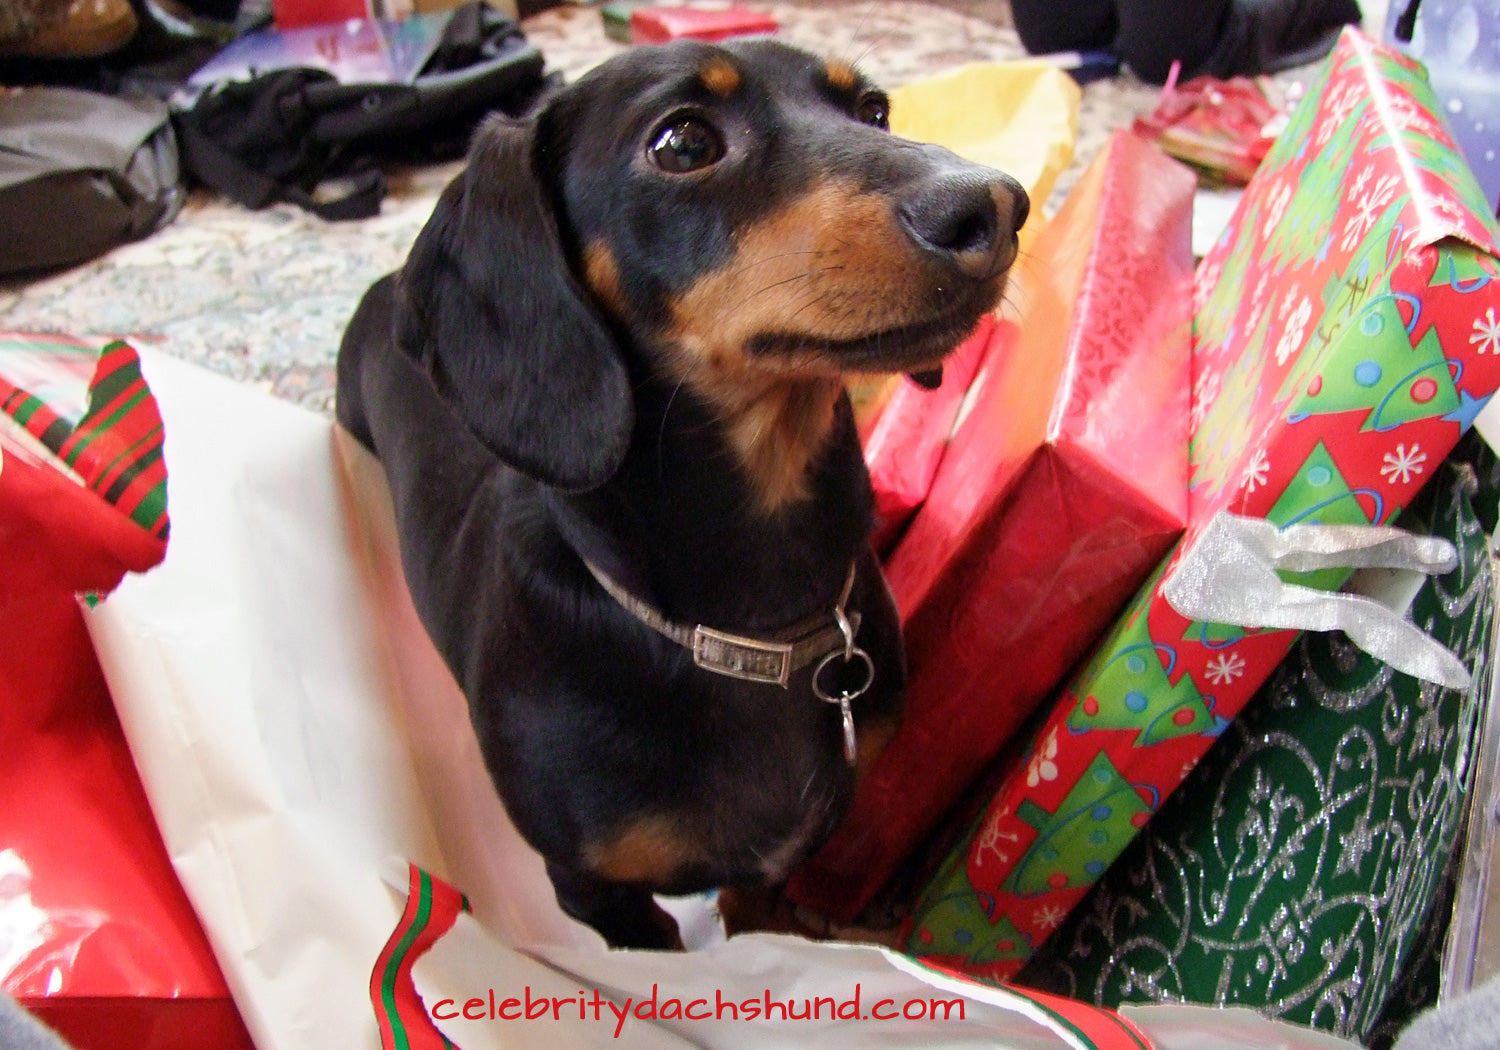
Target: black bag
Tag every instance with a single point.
(278, 135)
(81, 172)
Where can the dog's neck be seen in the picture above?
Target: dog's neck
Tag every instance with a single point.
(775, 421)
(777, 428)
(684, 525)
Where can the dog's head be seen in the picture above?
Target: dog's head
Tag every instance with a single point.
(736, 218)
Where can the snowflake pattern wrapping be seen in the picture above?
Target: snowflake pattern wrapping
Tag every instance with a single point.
(1341, 346)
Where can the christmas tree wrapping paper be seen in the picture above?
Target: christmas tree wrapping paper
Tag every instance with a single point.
(1297, 869)
(1345, 335)
(1064, 484)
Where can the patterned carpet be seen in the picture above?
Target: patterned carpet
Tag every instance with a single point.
(263, 296)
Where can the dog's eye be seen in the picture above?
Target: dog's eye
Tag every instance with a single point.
(686, 145)
(875, 111)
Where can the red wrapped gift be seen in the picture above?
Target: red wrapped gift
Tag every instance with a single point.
(96, 935)
(1223, 128)
(1345, 338)
(1062, 488)
(657, 25)
(909, 437)
(295, 14)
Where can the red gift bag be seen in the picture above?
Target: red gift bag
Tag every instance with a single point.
(96, 935)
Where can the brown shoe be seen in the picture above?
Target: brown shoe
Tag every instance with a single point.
(86, 29)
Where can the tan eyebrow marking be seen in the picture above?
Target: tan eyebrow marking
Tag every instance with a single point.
(720, 76)
(842, 75)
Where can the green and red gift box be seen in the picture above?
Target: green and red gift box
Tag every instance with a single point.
(1346, 333)
(1301, 870)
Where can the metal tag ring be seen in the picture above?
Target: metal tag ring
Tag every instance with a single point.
(845, 697)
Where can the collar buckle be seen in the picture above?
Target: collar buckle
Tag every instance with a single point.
(749, 659)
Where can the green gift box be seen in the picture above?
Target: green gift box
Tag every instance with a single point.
(1300, 865)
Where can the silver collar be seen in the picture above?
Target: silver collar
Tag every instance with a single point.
(769, 660)
(772, 661)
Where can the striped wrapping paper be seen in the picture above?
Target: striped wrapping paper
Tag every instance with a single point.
(82, 406)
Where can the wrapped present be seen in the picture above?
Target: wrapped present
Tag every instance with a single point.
(1346, 334)
(657, 25)
(96, 936)
(1061, 489)
(1297, 869)
(910, 435)
(1020, 117)
(1222, 128)
(1471, 954)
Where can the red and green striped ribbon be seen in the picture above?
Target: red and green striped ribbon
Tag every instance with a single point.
(1095, 1025)
(432, 906)
(115, 447)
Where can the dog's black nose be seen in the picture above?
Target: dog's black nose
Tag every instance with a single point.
(970, 216)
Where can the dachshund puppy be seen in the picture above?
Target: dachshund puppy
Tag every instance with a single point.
(607, 390)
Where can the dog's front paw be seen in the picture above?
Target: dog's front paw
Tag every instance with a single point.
(627, 916)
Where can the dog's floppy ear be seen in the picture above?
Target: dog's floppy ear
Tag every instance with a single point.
(492, 310)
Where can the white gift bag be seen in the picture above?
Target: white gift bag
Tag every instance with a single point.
(302, 743)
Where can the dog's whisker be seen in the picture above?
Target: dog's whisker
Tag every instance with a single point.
(811, 271)
(661, 435)
(846, 57)
(1025, 262)
(783, 255)
(807, 305)
(879, 40)
(807, 786)
(804, 275)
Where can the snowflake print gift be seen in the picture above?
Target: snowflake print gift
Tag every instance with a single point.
(1345, 336)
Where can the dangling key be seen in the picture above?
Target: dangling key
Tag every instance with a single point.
(851, 746)
(846, 692)
(843, 692)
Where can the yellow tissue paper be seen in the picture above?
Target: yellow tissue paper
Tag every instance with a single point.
(1020, 117)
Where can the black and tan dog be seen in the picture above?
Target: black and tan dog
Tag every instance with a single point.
(607, 391)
